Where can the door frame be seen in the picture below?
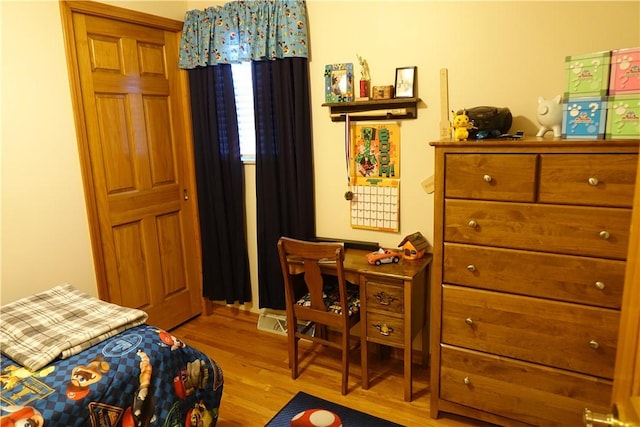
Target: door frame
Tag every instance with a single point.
(67, 9)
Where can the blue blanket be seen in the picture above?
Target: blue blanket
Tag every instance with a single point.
(143, 376)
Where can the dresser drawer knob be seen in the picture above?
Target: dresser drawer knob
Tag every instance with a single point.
(467, 380)
(384, 299)
(471, 268)
(593, 181)
(600, 285)
(604, 235)
(472, 224)
(594, 344)
(468, 321)
(487, 178)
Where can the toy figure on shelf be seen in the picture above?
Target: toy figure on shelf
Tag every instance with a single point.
(364, 68)
(461, 126)
(365, 78)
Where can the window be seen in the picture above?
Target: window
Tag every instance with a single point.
(243, 88)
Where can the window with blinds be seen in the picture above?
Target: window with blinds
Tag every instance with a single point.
(243, 87)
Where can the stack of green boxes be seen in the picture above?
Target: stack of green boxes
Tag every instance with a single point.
(602, 98)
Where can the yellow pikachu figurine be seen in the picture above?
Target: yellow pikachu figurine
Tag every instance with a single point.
(461, 126)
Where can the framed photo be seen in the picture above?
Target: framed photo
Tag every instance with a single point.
(405, 82)
(338, 82)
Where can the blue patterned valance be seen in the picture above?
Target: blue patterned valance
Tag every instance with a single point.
(244, 31)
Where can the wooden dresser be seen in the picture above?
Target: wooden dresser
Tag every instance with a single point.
(529, 258)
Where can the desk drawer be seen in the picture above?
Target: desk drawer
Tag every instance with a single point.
(588, 179)
(567, 336)
(491, 176)
(583, 280)
(521, 391)
(384, 329)
(387, 296)
(576, 230)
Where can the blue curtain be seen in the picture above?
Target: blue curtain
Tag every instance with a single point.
(284, 166)
(273, 35)
(220, 182)
(244, 31)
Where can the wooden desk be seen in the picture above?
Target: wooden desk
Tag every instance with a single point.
(393, 306)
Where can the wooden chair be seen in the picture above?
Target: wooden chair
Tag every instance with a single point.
(311, 298)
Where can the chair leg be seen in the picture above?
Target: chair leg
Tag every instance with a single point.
(295, 359)
(293, 353)
(345, 362)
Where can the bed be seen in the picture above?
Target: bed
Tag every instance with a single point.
(69, 359)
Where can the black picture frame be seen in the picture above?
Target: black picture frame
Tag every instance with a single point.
(405, 82)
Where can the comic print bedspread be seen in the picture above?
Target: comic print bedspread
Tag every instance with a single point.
(143, 376)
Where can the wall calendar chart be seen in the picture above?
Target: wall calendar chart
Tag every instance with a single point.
(374, 176)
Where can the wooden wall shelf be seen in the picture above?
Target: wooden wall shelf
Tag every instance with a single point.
(375, 109)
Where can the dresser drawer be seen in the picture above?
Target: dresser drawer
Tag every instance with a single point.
(491, 176)
(384, 296)
(574, 230)
(588, 179)
(521, 391)
(384, 329)
(583, 280)
(562, 335)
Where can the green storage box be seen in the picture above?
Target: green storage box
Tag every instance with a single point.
(587, 75)
(623, 117)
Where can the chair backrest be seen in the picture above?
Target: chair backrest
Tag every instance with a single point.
(297, 255)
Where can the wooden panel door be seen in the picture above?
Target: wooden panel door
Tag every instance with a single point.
(626, 386)
(133, 128)
(626, 378)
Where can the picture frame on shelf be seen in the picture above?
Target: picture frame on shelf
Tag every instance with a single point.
(405, 82)
(338, 82)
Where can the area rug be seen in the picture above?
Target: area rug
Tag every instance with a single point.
(350, 417)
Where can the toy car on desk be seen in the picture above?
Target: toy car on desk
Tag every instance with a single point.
(383, 256)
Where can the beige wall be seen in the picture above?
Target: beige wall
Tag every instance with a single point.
(44, 230)
(45, 237)
(497, 53)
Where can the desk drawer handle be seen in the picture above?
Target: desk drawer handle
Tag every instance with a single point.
(384, 299)
(600, 285)
(593, 181)
(471, 268)
(604, 235)
(472, 223)
(487, 178)
(468, 321)
(594, 344)
(383, 328)
(467, 381)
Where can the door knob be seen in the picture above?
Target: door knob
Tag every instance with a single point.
(590, 418)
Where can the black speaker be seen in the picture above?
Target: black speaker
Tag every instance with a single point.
(488, 122)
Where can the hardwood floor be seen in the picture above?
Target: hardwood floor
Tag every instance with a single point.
(257, 378)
